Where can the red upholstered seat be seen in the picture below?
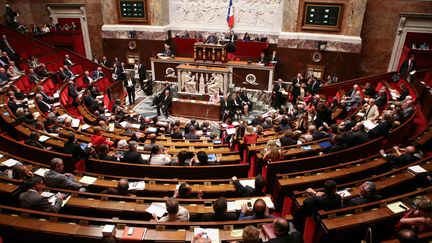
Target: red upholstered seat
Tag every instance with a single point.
(311, 231)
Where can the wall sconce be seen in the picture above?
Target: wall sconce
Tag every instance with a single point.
(132, 34)
(322, 45)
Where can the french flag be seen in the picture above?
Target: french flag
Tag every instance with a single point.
(230, 16)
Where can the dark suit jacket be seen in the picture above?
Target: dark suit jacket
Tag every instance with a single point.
(74, 149)
(403, 159)
(381, 129)
(34, 144)
(31, 199)
(294, 237)
(381, 101)
(96, 74)
(142, 72)
(42, 106)
(105, 63)
(247, 191)
(13, 106)
(287, 141)
(133, 157)
(263, 60)
(326, 202)
(362, 200)
(191, 136)
(72, 92)
(5, 60)
(67, 62)
(33, 78)
(68, 73)
(166, 102)
(46, 98)
(404, 69)
(125, 83)
(209, 217)
(86, 79)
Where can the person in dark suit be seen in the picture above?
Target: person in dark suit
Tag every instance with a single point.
(86, 78)
(402, 156)
(287, 139)
(32, 76)
(55, 178)
(46, 98)
(247, 104)
(67, 61)
(383, 127)
(105, 62)
(33, 140)
(246, 37)
(225, 108)
(232, 38)
(72, 147)
(316, 86)
(62, 75)
(5, 58)
(281, 229)
(220, 212)
(13, 104)
(191, 133)
(120, 71)
(296, 82)
(103, 153)
(164, 104)
(168, 52)
(142, 73)
(32, 199)
(381, 100)
(42, 105)
(263, 59)
(212, 39)
(67, 72)
(327, 200)
(367, 194)
(247, 191)
(407, 66)
(122, 189)
(130, 83)
(97, 74)
(132, 156)
(72, 91)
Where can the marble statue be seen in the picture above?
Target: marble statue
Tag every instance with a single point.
(190, 84)
(215, 84)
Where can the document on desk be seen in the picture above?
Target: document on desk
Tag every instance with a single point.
(137, 185)
(212, 234)
(75, 123)
(88, 180)
(344, 193)
(369, 125)
(397, 207)
(10, 162)
(159, 209)
(41, 172)
(43, 138)
(85, 127)
(250, 183)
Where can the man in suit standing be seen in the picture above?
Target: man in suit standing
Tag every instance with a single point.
(86, 78)
(407, 66)
(67, 61)
(98, 74)
(165, 104)
(129, 83)
(72, 91)
(316, 85)
(120, 71)
(296, 87)
(33, 200)
(105, 62)
(232, 37)
(132, 156)
(263, 59)
(139, 73)
(55, 178)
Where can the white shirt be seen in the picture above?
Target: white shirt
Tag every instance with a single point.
(136, 74)
(130, 84)
(160, 159)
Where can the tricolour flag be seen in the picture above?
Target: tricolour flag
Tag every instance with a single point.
(230, 16)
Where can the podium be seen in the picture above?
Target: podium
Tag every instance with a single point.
(196, 109)
(210, 52)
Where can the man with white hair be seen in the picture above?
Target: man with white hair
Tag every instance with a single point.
(370, 110)
(86, 78)
(268, 123)
(353, 102)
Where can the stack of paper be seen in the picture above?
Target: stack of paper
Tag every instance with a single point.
(369, 125)
(231, 131)
(145, 157)
(397, 207)
(212, 234)
(159, 209)
(138, 185)
(10, 162)
(111, 127)
(250, 183)
(88, 180)
(124, 124)
(43, 138)
(85, 127)
(344, 193)
(41, 172)
(416, 169)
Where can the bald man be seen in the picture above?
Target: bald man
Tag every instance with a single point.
(401, 157)
(260, 211)
(284, 232)
(122, 188)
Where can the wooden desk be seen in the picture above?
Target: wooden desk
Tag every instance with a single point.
(195, 109)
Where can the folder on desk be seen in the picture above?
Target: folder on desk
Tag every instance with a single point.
(416, 169)
(137, 185)
(137, 233)
(85, 126)
(10, 162)
(75, 123)
(250, 183)
(397, 207)
(43, 138)
(41, 172)
(88, 180)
